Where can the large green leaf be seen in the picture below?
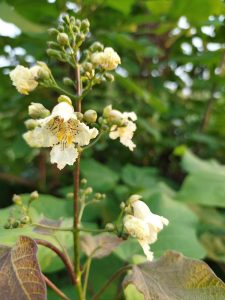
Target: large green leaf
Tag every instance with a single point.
(176, 277)
(204, 183)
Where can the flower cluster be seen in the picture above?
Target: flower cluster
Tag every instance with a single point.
(63, 132)
(143, 225)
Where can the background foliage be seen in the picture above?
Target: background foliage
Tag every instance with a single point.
(172, 76)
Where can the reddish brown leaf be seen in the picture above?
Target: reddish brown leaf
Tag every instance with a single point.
(20, 275)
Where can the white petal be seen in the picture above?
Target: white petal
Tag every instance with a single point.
(63, 156)
(64, 110)
(84, 134)
(130, 115)
(39, 137)
(146, 248)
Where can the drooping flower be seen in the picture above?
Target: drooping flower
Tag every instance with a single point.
(107, 59)
(143, 225)
(63, 132)
(123, 126)
(25, 79)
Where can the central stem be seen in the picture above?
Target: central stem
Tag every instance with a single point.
(76, 237)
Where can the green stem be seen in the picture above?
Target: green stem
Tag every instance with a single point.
(64, 92)
(108, 282)
(68, 228)
(94, 142)
(88, 266)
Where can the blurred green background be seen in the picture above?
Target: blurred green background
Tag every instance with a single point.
(172, 75)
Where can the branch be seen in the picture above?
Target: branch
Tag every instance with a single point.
(55, 288)
(64, 259)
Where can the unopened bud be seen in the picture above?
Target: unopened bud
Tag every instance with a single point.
(25, 220)
(52, 44)
(66, 18)
(37, 110)
(80, 37)
(83, 181)
(87, 66)
(96, 47)
(70, 195)
(31, 124)
(88, 190)
(115, 115)
(34, 195)
(63, 39)
(44, 72)
(98, 195)
(78, 22)
(68, 81)
(85, 24)
(16, 224)
(109, 77)
(122, 205)
(90, 116)
(134, 198)
(61, 28)
(17, 199)
(64, 98)
(107, 110)
(52, 31)
(79, 115)
(109, 227)
(54, 53)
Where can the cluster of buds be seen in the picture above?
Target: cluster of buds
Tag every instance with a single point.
(69, 36)
(20, 212)
(86, 194)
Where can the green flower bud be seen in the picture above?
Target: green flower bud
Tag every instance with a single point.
(90, 116)
(70, 195)
(88, 190)
(31, 124)
(61, 28)
(83, 181)
(17, 199)
(109, 77)
(96, 47)
(64, 98)
(87, 66)
(78, 22)
(52, 31)
(67, 81)
(34, 195)
(66, 19)
(25, 220)
(63, 39)
(98, 195)
(72, 20)
(109, 227)
(52, 44)
(79, 115)
(80, 38)
(37, 110)
(107, 110)
(85, 24)
(44, 72)
(16, 224)
(122, 205)
(54, 53)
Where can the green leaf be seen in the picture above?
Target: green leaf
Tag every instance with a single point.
(175, 277)
(205, 182)
(20, 275)
(124, 6)
(106, 178)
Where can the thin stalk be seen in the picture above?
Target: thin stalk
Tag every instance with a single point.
(76, 236)
(64, 259)
(87, 271)
(94, 142)
(111, 279)
(55, 288)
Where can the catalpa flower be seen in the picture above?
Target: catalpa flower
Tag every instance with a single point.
(63, 132)
(123, 126)
(25, 79)
(143, 225)
(107, 59)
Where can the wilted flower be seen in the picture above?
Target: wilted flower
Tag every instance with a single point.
(123, 126)
(63, 132)
(24, 79)
(107, 59)
(143, 225)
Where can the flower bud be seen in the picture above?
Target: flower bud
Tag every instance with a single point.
(96, 47)
(66, 18)
(52, 31)
(63, 39)
(25, 220)
(122, 205)
(34, 195)
(98, 195)
(67, 81)
(109, 77)
(89, 190)
(37, 110)
(15, 224)
(109, 227)
(54, 53)
(31, 124)
(17, 199)
(52, 44)
(79, 115)
(134, 198)
(107, 110)
(85, 24)
(83, 181)
(43, 72)
(80, 38)
(70, 195)
(61, 28)
(115, 115)
(78, 22)
(90, 116)
(64, 98)
(87, 66)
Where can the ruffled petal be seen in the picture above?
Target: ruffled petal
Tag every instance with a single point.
(84, 134)
(39, 137)
(146, 248)
(63, 156)
(64, 110)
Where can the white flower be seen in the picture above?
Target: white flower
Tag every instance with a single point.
(24, 79)
(63, 132)
(143, 225)
(125, 128)
(107, 59)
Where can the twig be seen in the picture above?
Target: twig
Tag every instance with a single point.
(55, 288)
(65, 260)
